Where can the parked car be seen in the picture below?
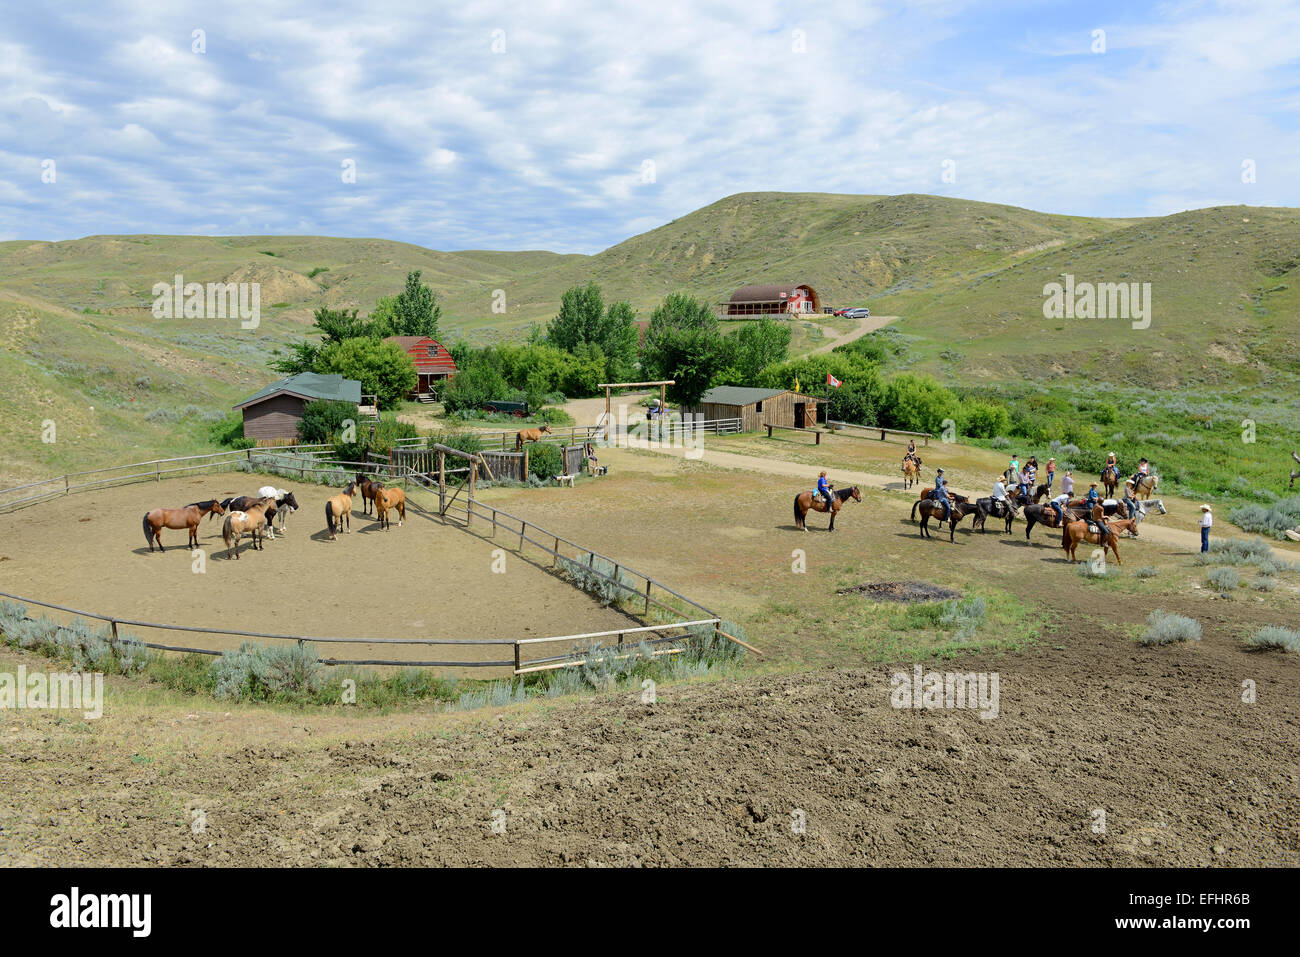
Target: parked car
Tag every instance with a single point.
(840, 312)
(863, 313)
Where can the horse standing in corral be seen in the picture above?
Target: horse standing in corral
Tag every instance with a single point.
(1146, 484)
(1078, 531)
(245, 502)
(252, 521)
(930, 508)
(386, 500)
(530, 435)
(188, 517)
(806, 502)
(368, 488)
(338, 511)
(911, 473)
(285, 504)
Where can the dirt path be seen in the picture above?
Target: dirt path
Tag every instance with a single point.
(1164, 535)
(869, 324)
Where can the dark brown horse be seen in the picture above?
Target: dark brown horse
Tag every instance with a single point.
(188, 517)
(925, 497)
(806, 502)
(368, 489)
(930, 509)
(1110, 479)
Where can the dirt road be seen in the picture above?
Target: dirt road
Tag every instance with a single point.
(869, 324)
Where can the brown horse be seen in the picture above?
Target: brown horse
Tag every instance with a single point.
(369, 488)
(1110, 479)
(911, 473)
(530, 435)
(252, 520)
(386, 500)
(338, 511)
(806, 502)
(188, 517)
(1075, 532)
(925, 497)
(930, 509)
(1146, 484)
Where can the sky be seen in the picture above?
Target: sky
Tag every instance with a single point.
(571, 126)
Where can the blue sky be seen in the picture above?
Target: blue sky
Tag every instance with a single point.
(535, 125)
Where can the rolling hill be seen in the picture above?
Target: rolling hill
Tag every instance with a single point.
(966, 278)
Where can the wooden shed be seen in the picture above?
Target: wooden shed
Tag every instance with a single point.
(273, 414)
(432, 362)
(759, 407)
(786, 299)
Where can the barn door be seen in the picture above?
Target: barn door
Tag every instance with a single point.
(799, 415)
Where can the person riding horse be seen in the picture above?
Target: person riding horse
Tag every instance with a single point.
(1000, 501)
(910, 455)
(940, 494)
(1144, 469)
(1059, 503)
(1129, 501)
(1093, 500)
(824, 490)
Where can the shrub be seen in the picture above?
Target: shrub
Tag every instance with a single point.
(1147, 571)
(323, 421)
(228, 431)
(985, 420)
(917, 403)
(544, 460)
(1272, 519)
(1275, 638)
(1224, 579)
(1165, 627)
(256, 671)
(1264, 584)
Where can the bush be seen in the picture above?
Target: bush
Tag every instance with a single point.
(1147, 571)
(1224, 579)
(965, 616)
(917, 403)
(545, 461)
(985, 420)
(1272, 520)
(383, 368)
(228, 431)
(256, 672)
(323, 421)
(1275, 638)
(1164, 628)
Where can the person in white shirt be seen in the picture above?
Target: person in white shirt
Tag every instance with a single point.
(999, 497)
(1207, 520)
(1059, 504)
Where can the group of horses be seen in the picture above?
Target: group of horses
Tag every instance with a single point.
(1078, 524)
(246, 515)
(256, 515)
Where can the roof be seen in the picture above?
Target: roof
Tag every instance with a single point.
(767, 293)
(441, 361)
(407, 341)
(310, 386)
(738, 395)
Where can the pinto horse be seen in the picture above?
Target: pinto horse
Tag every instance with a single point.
(806, 502)
(1078, 531)
(369, 489)
(188, 517)
(930, 508)
(252, 521)
(245, 502)
(530, 435)
(338, 510)
(386, 500)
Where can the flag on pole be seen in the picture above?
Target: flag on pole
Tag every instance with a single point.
(796, 383)
(831, 380)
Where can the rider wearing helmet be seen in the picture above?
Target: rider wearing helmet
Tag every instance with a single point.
(940, 493)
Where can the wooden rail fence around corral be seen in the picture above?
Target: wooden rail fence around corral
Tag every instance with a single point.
(839, 429)
(634, 594)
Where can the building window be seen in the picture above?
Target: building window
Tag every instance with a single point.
(433, 349)
(758, 406)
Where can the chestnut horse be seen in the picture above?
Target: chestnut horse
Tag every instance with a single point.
(188, 517)
(387, 499)
(338, 511)
(1110, 479)
(369, 488)
(911, 473)
(1077, 531)
(252, 520)
(529, 435)
(806, 502)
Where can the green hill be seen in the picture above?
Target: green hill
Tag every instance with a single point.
(965, 277)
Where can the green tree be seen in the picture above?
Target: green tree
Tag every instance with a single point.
(322, 421)
(684, 342)
(412, 312)
(383, 368)
(583, 319)
(337, 325)
(918, 403)
(753, 348)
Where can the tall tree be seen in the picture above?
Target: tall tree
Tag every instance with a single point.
(684, 342)
(412, 312)
(582, 311)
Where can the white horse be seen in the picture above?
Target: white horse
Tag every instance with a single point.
(284, 504)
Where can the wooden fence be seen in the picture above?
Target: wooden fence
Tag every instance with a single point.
(634, 593)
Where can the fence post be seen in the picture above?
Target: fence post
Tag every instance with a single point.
(518, 663)
(442, 483)
(647, 598)
(523, 526)
(555, 556)
(469, 506)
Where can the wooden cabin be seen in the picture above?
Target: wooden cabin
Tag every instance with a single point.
(759, 407)
(432, 363)
(273, 414)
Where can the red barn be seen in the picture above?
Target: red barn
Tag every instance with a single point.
(432, 361)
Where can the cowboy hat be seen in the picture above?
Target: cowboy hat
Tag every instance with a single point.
(1206, 508)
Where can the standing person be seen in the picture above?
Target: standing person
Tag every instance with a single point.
(1207, 520)
(1067, 483)
(1051, 473)
(1025, 480)
(824, 488)
(1014, 468)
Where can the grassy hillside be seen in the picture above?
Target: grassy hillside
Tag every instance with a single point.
(967, 279)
